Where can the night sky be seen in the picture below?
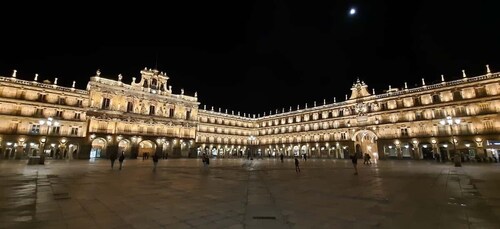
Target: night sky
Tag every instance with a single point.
(254, 56)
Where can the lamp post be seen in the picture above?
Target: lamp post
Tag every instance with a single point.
(449, 121)
(49, 122)
(251, 139)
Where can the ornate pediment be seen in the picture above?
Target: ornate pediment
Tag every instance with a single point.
(359, 90)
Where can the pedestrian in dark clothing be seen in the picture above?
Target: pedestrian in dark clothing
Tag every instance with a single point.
(122, 157)
(112, 157)
(305, 157)
(281, 157)
(297, 168)
(354, 159)
(155, 162)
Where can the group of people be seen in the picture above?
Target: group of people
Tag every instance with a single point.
(206, 161)
(112, 158)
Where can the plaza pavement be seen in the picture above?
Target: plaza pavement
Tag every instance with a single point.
(237, 193)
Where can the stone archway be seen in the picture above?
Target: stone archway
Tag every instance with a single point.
(147, 148)
(124, 146)
(296, 151)
(98, 149)
(366, 140)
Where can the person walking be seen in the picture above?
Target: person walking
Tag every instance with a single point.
(112, 157)
(297, 168)
(281, 157)
(155, 162)
(120, 159)
(354, 159)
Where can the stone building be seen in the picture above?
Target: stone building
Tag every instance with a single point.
(426, 122)
(41, 115)
(140, 118)
(145, 117)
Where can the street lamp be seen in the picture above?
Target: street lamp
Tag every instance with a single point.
(449, 121)
(49, 122)
(251, 139)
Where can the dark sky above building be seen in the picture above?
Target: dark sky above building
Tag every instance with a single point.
(254, 56)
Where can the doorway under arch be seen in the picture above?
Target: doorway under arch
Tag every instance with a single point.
(98, 149)
(124, 146)
(366, 142)
(147, 148)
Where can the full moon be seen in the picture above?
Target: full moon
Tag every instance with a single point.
(352, 11)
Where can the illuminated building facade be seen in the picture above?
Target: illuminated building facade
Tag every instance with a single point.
(144, 117)
(427, 122)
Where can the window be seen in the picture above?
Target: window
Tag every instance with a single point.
(130, 107)
(341, 112)
(77, 115)
(58, 113)
(35, 129)
(152, 110)
(55, 129)
(79, 103)
(39, 112)
(105, 103)
(74, 131)
(61, 101)
(171, 113)
(343, 136)
(188, 115)
(404, 131)
(41, 98)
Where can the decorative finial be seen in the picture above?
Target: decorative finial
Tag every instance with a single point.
(423, 82)
(282, 110)
(298, 107)
(346, 97)
(98, 72)
(373, 91)
(120, 77)
(55, 81)
(195, 94)
(324, 101)
(226, 111)
(290, 108)
(204, 107)
(305, 106)
(36, 76)
(334, 99)
(442, 78)
(14, 73)
(73, 86)
(212, 108)
(244, 114)
(182, 91)
(133, 79)
(406, 85)
(314, 103)
(357, 80)
(232, 112)
(488, 69)
(264, 113)
(219, 110)
(390, 87)
(463, 74)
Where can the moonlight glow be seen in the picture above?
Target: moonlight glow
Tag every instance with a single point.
(352, 11)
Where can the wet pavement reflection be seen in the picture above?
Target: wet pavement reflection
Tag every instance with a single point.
(239, 193)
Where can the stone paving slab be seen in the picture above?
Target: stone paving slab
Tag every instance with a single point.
(237, 193)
